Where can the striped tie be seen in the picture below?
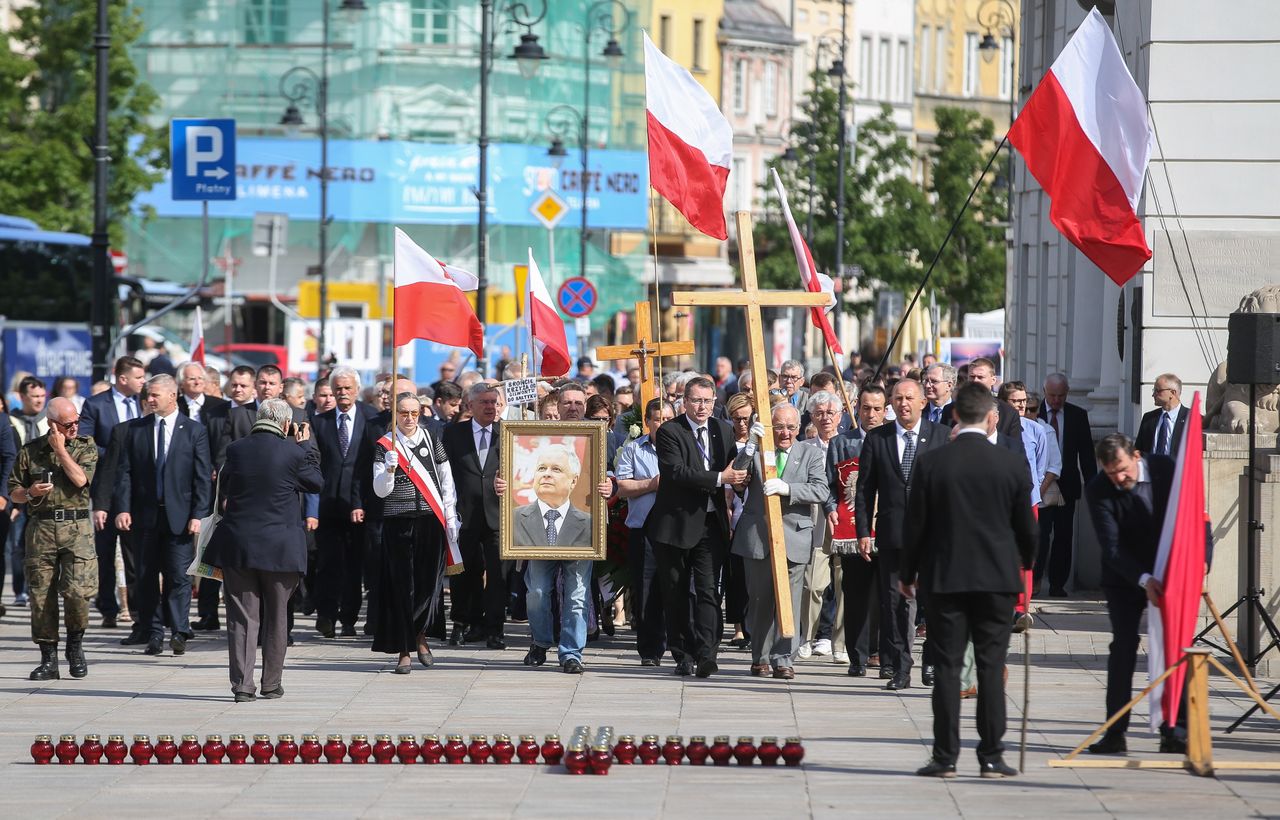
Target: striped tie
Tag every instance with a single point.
(908, 455)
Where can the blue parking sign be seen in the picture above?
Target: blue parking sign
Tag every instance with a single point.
(203, 153)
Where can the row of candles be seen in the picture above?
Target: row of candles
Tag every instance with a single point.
(578, 757)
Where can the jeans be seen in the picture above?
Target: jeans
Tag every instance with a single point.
(541, 578)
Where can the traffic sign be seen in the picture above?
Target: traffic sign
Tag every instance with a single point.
(270, 234)
(577, 297)
(549, 209)
(203, 154)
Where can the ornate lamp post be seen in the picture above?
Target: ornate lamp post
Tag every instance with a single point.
(1001, 16)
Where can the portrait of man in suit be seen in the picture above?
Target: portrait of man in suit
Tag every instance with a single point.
(553, 520)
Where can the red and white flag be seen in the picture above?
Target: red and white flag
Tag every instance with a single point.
(545, 325)
(1084, 136)
(429, 304)
(813, 280)
(690, 142)
(197, 338)
(1180, 567)
(465, 279)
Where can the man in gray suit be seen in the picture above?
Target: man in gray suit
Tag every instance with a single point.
(802, 485)
(555, 476)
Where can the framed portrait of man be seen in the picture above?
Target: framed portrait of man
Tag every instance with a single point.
(551, 510)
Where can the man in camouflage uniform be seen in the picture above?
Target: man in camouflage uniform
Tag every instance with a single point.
(60, 556)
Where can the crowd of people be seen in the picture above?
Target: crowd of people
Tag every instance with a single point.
(337, 499)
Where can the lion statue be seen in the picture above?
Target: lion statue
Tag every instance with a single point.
(1226, 406)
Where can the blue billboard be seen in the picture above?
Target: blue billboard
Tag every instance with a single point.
(49, 352)
(410, 182)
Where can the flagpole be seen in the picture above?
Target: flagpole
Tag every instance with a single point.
(395, 363)
(657, 301)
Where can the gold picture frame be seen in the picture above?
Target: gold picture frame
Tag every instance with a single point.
(557, 445)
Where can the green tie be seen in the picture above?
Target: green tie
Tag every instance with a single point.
(782, 462)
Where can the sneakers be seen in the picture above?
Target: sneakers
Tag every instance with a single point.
(840, 657)
(804, 651)
(822, 647)
(21, 599)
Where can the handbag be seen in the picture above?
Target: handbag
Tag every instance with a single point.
(199, 568)
(1052, 495)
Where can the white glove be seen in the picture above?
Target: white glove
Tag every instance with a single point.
(392, 459)
(757, 429)
(776, 486)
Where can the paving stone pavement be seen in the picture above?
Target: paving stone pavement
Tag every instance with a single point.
(863, 743)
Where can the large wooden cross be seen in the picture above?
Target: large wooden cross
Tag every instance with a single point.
(644, 349)
(752, 298)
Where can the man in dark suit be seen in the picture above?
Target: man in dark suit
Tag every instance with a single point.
(939, 384)
(1127, 502)
(885, 468)
(211, 412)
(260, 543)
(340, 542)
(479, 592)
(575, 531)
(689, 523)
(969, 535)
(98, 419)
(1009, 429)
(1070, 424)
(268, 383)
(1160, 433)
(163, 487)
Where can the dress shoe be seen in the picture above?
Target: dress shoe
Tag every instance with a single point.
(272, 694)
(922, 631)
(649, 662)
(857, 670)
(996, 769)
(245, 697)
(573, 666)
(495, 642)
(402, 669)
(108, 621)
(685, 668)
(1109, 745)
(133, 639)
(1022, 621)
(873, 662)
(325, 627)
(425, 657)
(760, 670)
(474, 635)
(289, 640)
(155, 646)
(887, 673)
(784, 673)
(1058, 592)
(928, 675)
(206, 625)
(455, 637)
(740, 643)
(368, 627)
(348, 630)
(971, 692)
(900, 681)
(706, 669)
(48, 668)
(178, 644)
(1172, 745)
(536, 656)
(936, 768)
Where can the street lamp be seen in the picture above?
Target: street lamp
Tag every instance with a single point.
(1001, 16)
(822, 44)
(837, 71)
(528, 56)
(301, 86)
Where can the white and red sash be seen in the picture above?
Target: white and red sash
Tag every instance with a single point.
(426, 485)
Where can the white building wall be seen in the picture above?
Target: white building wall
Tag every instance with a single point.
(884, 73)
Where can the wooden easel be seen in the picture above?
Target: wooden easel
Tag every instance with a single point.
(644, 349)
(752, 298)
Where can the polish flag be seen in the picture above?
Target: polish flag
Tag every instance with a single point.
(1180, 566)
(465, 279)
(429, 304)
(814, 281)
(545, 325)
(690, 143)
(1084, 136)
(197, 338)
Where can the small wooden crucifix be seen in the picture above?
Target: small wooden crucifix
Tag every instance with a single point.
(644, 349)
(752, 298)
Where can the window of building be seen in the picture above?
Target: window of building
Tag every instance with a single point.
(266, 22)
(904, 71)
(771, 89)
(823, 18)
(884, 78)
(741, 185)
(697, 45)
(864, 68)
(970, 86)
(429, 22)
(802, 16)
(940, 58)
(922, 78)
(664, 34)
(1006, 67)
(740, 86)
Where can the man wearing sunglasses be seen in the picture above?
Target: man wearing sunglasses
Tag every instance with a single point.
(52, 477)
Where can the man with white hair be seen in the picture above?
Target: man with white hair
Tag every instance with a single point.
(555, 476)
(939, 382)
(823, 570)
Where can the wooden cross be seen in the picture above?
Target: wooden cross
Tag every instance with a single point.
(751, 298)
(644, 349)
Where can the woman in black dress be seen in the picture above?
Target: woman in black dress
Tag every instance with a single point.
(412, 476)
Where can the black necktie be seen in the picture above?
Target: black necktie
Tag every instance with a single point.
(344, 435)
(160, 457)
(1162, 440)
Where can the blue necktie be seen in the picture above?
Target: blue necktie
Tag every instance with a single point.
(935, 414)
(551, 516)
(1162, 438)
(160, 458)
(130, 409)
(344, 435)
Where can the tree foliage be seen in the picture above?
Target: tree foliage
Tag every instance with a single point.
(47, 79)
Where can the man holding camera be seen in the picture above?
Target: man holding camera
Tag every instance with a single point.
(52, 476)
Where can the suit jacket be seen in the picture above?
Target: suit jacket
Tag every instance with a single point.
(881, 487)
(340, 478)
(531, 529)
(8, 455)
(1128, 532)
(1149, 429)
(1009, 425)
(260, 527)
(969, 526)
(478, 505)
(188, 474)
(98, 420)
(214, 414)
(806, 475)
(1079, 465)
(679, 511)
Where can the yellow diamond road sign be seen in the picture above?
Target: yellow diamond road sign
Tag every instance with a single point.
(549, 209)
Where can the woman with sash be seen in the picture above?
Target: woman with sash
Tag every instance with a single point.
(419, 534)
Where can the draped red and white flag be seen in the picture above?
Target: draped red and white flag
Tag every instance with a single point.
(429, 304)
(465, 279)
(1180, 567)
(197, 338)
(545, 325)
(1085, 137)
(813, 280)
(690, 142)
